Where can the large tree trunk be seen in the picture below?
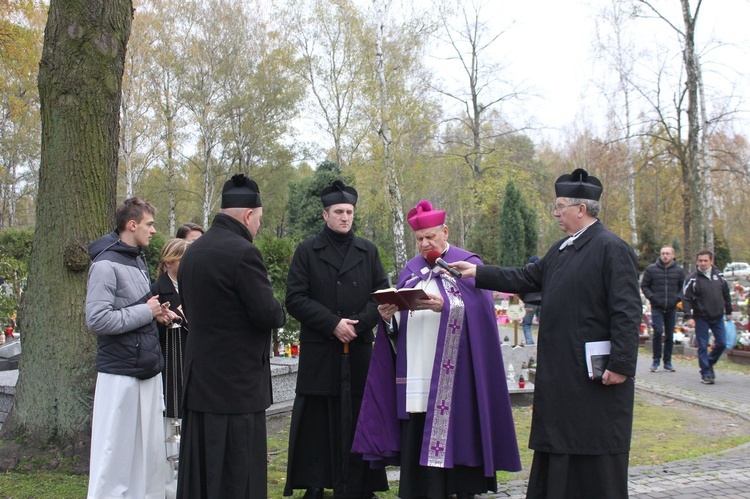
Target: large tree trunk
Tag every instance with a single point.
(80, 79)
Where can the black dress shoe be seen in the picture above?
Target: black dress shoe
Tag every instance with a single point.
(313, 493)
(464, 495)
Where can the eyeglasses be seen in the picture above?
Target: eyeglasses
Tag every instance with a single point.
(560, 207)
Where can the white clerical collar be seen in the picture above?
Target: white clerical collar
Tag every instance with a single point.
(575, 236)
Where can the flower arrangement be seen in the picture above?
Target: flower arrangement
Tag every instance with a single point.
(744, 340)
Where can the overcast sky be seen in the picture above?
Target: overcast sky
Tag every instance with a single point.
(548, 44)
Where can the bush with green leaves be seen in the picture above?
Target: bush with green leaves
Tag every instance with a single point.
(277, 256)
(15, 257)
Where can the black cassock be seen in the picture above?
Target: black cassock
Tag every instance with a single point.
(229, 304)
(330, 278)
(590, 291)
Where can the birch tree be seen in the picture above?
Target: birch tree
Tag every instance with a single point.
(331, 38)
(482, 93)
(137, 147)
(166, 25)
(203, 97)
(618, 50)
(703, 160)
(686, 101)
(393, 189)
(262, 92)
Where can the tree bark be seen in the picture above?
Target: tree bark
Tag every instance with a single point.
(708, 198)
(391, 178)
(691, 75)
(623, 64)
(687, 151)
(80, 78)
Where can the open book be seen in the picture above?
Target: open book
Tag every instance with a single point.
(405, 298)
(597, 357)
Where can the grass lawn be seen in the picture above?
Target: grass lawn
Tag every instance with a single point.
(663, 430)
(45, 484)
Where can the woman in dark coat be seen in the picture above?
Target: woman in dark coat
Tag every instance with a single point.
(172, 339)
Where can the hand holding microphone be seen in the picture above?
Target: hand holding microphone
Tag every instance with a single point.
(433, 258)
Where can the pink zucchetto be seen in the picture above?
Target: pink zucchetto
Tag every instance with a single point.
(424, 217)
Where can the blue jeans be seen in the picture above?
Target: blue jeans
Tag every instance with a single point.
(663, 322)
(526, 323)
(702, 325)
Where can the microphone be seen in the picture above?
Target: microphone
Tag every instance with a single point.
(433, 258)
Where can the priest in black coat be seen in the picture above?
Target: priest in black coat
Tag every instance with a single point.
(228, 301)
(581, 428)
(328, 291)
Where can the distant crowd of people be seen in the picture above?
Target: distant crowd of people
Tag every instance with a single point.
(378, 384)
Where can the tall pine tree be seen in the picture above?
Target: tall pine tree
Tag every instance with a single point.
(531, 230)
(483, 238)
(512, 229)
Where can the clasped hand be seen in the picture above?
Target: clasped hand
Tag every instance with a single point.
(345, 331)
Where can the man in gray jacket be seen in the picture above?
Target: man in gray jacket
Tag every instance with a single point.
(127, 435)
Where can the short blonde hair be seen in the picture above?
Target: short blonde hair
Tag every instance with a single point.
(171, 252)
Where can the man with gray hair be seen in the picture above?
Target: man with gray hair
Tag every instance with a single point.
(581, 425)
